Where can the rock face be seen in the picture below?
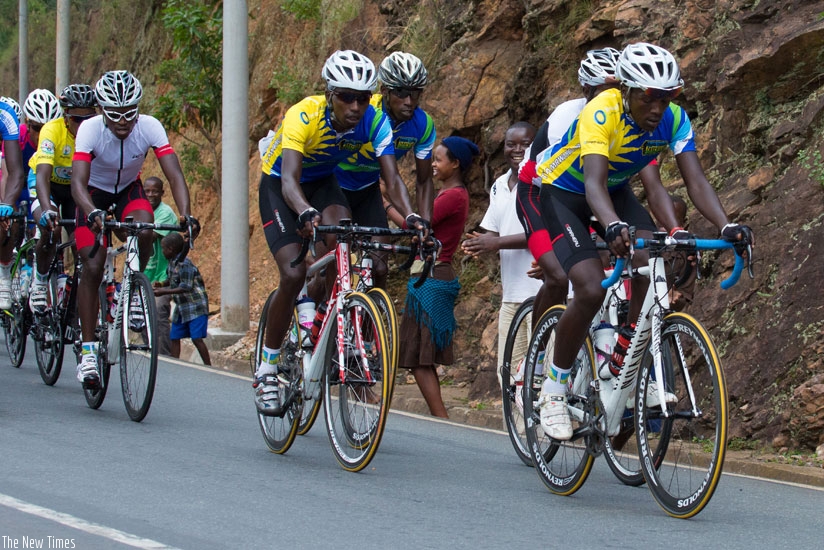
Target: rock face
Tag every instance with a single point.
(755, 94)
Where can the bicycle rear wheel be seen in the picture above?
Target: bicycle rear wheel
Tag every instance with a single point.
(563, 466)
(94, 397)
(356, 392)
(621, 451)
(138, 347)
(279, 431)
(693, 438)
(519, 331)
(47, 333)
(14, 323)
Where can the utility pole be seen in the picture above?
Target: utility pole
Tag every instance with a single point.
(234, 269)
(63, 46)
(23, 50)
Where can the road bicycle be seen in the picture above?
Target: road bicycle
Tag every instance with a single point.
(58, 324)
(680, 446)
(17, 320)
(350, 368)
(127, 321)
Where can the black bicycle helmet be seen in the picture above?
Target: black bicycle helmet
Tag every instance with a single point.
(77, 96)
(402, 70)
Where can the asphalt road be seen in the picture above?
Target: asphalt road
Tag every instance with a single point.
(196, 474)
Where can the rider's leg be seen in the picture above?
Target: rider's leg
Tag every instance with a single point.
(555, 286)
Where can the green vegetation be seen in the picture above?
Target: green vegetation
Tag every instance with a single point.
(743, 444)
(813, 163)
(195, 82)
(302, 10)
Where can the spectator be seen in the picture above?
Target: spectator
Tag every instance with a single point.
(185, 285)
(157, 265)
(428, 322)
(505, 234)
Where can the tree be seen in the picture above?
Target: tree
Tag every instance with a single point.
(194, 76)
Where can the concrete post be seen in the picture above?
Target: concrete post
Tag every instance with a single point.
(234, 270)
(23, 50)
(63, 46)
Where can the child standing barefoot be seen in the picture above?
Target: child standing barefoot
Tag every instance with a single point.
(428, 322)
(191, 316)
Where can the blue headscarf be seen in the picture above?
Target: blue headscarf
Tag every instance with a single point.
(462, 149)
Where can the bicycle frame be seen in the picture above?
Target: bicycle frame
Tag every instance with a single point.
(131, 264)
(615, 392)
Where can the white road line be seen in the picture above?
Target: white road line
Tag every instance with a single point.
(81, 524)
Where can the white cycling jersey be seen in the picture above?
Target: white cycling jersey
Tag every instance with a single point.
(116, 163)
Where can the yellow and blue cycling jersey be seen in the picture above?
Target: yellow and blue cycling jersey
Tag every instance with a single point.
(55, 147)
(363, 169)
(603, 128)
(307, 128)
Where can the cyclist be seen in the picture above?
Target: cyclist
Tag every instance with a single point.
(9, 131)
(403, 78)
(616, 135)
(298, 187)
(109, 154)
(51, 168)
(595, 74)
(19, 112)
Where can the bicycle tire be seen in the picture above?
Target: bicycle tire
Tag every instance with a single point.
(356, 408)
(95, 397)
(519, 327)
(279, 432)
(47, 334)
(390, 320)
(15, 333)
(563, 466)
(695, 437)
(138, 347)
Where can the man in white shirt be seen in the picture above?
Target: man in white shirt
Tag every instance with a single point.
(505, 234)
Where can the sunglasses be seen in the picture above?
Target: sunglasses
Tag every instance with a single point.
(80, 118)
(669, 95)
(35, 127)
(350, 97)
(403, 93)
(114, 116)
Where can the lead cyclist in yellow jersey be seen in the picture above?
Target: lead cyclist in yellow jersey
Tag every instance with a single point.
(616, 135)
(51, 170)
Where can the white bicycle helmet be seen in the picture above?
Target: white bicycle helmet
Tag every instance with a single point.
(41, 106)
(402, 70)
(349, 69)
(598, 67)
(14, 105)
(118, 89)
(645, 66)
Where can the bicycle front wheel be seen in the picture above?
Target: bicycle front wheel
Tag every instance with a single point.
(138, 347)
(356, 383)
(517, 339)
(279, 431)
(693, 435)
(390, 323)
(47, 333)
(563, 466)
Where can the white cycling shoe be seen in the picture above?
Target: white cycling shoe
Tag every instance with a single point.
(555, 419)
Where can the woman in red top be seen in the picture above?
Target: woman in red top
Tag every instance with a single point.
(428, 322)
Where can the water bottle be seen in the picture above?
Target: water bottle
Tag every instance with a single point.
(625, 334)
(603, 340)
(62, 289)
(25, 280)
(318, 322)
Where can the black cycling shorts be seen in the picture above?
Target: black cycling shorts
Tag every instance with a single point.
(279, 221)
(567, 216)
(366, 206)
